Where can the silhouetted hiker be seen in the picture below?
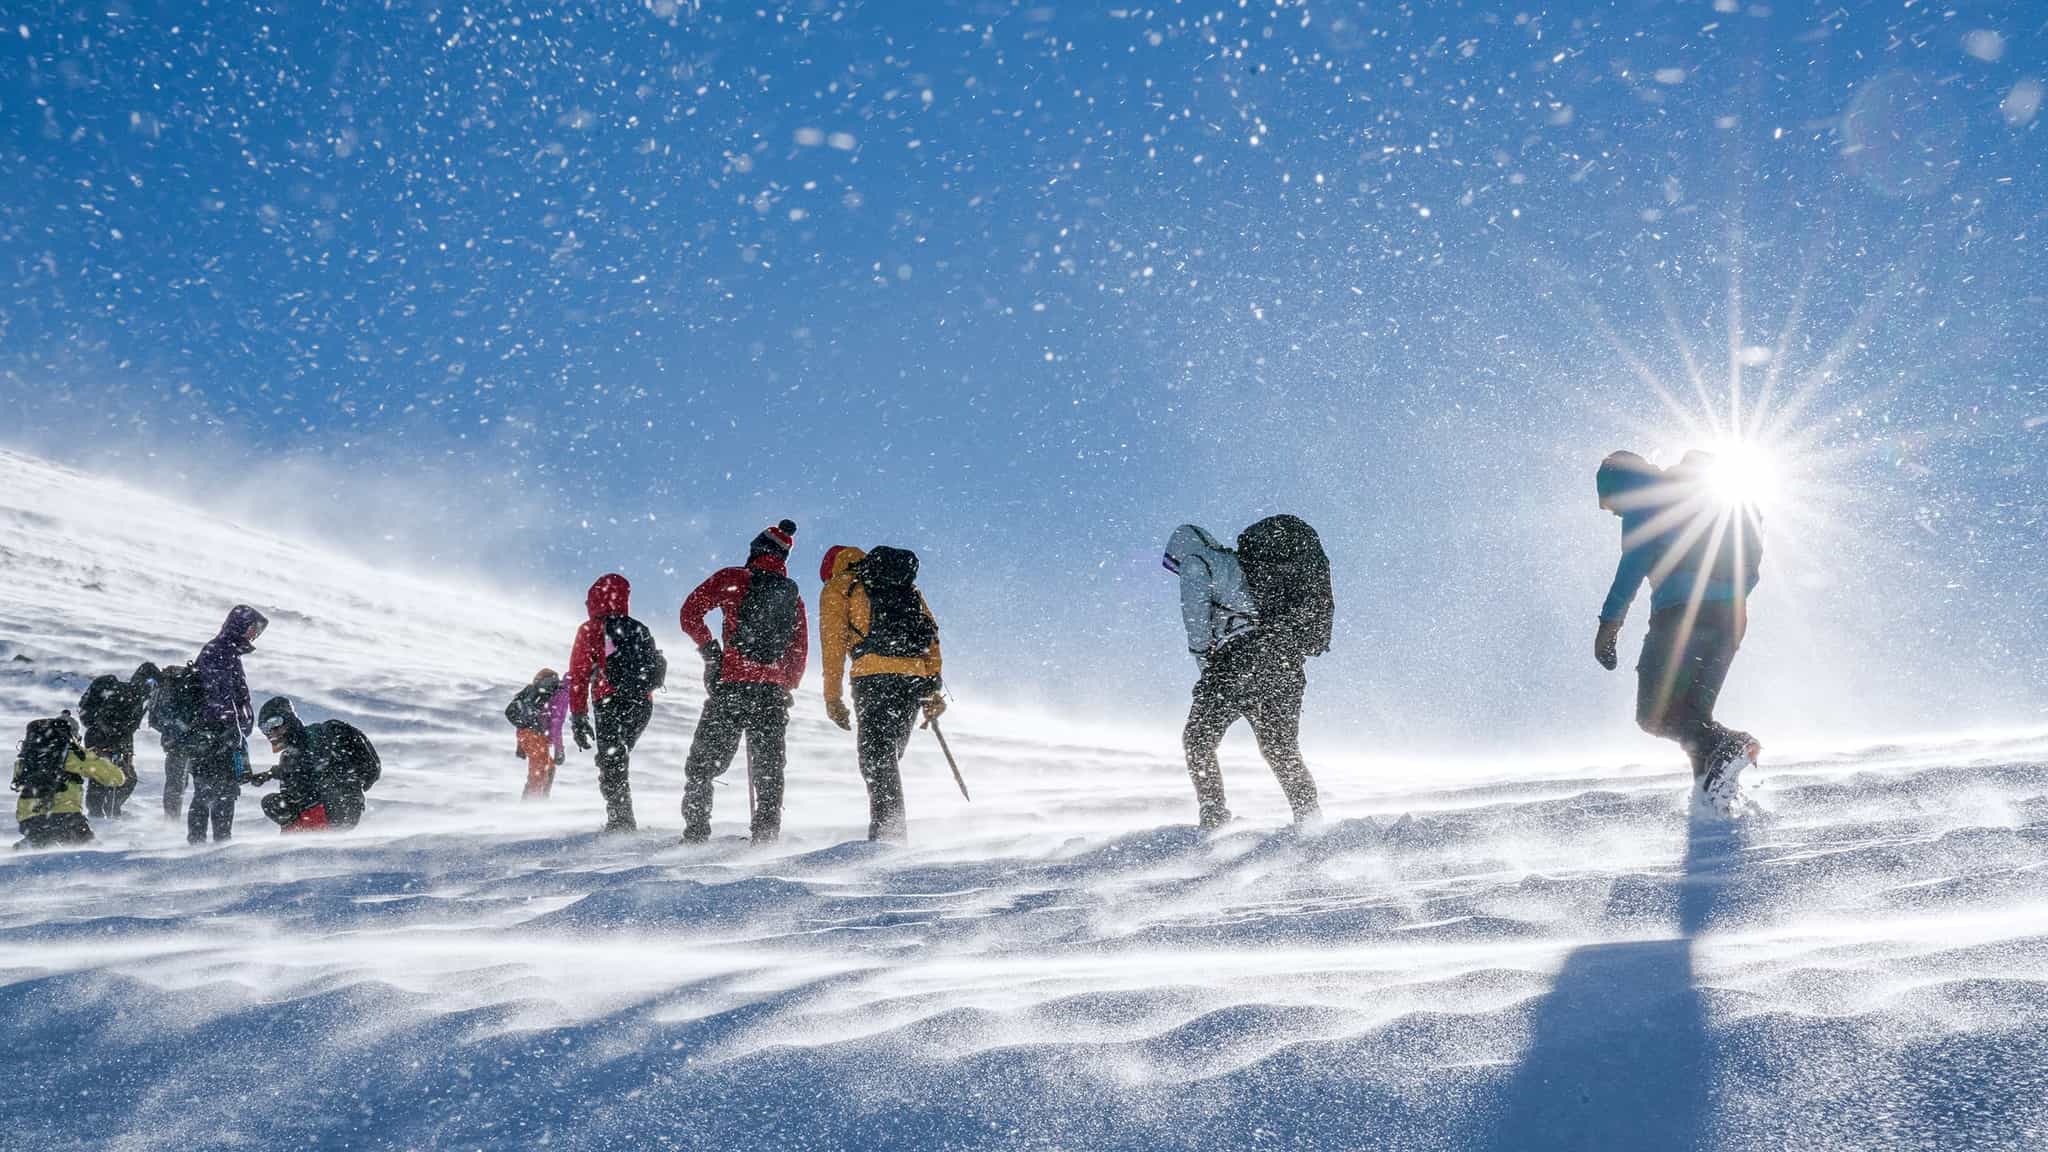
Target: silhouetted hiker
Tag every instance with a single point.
(748, 681)
(1702, 556)
(872, 611)
(51, 770)
(220, 753)
(322, 770)
(111, 710)
(1253, 617)
(175, 711)
(536, 714)
(613, 670)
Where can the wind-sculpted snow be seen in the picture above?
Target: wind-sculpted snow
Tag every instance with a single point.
(1532, 960)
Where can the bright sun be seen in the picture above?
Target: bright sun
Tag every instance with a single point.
(1744, 472)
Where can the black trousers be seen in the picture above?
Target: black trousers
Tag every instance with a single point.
(103, 800)
(218, 760)
(56, 828)
(620, 721)
(177, 773)
(1261, 683)
(1679, 678)
(760, 714)
(888, 707)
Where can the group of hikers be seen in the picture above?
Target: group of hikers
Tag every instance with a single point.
(69, 767)
(1254, 615)
(871, 616)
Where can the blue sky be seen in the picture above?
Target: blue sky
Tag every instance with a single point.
(541, 292)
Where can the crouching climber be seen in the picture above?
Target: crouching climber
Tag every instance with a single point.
(322, 770)
(50, 772)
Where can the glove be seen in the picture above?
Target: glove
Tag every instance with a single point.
(1605, 642)
(560, 755)
(788, 699)
(934, 707)
(260, 779)
(580, 728)
(835, 711)
(714, 661)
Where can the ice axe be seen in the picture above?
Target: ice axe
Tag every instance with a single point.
(932, 723)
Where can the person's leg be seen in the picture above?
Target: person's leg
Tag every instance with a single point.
(223, 809)
(200, 814)
(539, 760)
(177, 773)
(1710, 653)
(120, 795)
(767, 755)
(717, 739)
(1210, 715)
(1663, 681)
(886, 706)
(1275, 715)
(619, 724)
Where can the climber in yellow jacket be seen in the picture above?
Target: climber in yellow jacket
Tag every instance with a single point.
(872, 612)
(50, 772)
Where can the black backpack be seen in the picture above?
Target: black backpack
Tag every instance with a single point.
(898, 625)
(633, 665)
(344, 752)
(179, 702)
(768, 615)
(39, 763)
(1289, 577)
(526, 709)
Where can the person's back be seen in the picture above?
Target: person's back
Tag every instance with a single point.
(51, 770)
(614, 668)
(111, 710)
(345, 766)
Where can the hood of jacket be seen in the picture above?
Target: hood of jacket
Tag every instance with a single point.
(611, 595)
(1622, 476)
(235, 629)
(1190, 541)
(838, 559)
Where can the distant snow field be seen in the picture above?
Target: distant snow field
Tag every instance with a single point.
(1542, 960)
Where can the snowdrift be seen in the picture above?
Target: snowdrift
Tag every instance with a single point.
(1521, 962)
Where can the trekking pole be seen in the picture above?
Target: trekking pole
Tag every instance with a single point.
(933, 724)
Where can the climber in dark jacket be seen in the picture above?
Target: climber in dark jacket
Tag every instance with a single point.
(322, 769)
(220, 753)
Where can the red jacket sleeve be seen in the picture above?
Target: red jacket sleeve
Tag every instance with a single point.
(583, 662)
(789, 671)
(712, 593)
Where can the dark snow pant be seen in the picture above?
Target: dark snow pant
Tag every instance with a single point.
(1264, 686)
(53, 829)
(213, 805)
(620, 721)
(103, 800)
(1679, 678)
(760, 714)
(888, 707)
(177, 772)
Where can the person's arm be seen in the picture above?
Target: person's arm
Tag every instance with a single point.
(245, 712)
(706, 596)
(558, 711)
(581, 665)
(1629, 574)
(937, 661)
(832, 624)
(96, 768)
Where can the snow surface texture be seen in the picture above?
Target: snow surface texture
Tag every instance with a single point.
(1531, 961)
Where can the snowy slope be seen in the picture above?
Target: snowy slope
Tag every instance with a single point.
(1533, 961)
